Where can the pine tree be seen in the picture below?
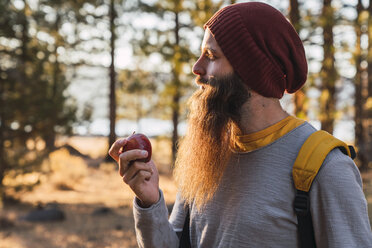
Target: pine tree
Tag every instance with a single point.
(34, 107)
(300, 98)
(112, 97)
(368, 103)
(359, 96)
(328, 73)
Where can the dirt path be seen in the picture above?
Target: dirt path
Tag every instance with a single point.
(80, 191)
(82, 227)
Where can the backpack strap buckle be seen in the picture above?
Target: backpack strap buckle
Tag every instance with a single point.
(302, 203)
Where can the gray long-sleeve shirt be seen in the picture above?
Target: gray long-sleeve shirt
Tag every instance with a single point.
(253, 206)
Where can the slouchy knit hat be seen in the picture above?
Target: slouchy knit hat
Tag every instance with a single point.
(262, 47)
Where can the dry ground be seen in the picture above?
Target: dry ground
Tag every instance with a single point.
(80, 187)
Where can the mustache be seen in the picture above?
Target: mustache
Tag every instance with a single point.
(199, 80)
(220, 102)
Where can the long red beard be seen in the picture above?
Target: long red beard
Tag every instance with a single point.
(205, 150)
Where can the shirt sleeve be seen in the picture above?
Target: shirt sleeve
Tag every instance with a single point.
(152, 227)
(338, 205)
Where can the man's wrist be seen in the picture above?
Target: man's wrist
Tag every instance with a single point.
(143, 204)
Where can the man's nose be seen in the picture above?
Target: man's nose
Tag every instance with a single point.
(198, 68)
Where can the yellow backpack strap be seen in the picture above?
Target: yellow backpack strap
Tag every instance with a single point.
(308, 162)
(311, 157)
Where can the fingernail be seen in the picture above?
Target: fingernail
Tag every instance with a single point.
(143, 153)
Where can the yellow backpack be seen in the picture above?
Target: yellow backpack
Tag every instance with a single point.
(308, 162)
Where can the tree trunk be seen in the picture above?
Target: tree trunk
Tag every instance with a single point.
(367, 123)
(369, 60)
(175, 121)
(112, 136)
(3, 164)
(328, 72)
(359, 98)
(176, 94)
(299, 97)
(25, 39)
(294, 15)
(51, 134)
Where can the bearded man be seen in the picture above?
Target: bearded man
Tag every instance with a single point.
(234, 165)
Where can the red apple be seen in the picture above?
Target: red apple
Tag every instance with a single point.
(138, 141)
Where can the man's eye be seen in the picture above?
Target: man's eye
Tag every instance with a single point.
(210, 56)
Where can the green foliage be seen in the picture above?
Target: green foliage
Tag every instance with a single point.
(173, 42)
(180, 25)
(34, 106)
(137, 94)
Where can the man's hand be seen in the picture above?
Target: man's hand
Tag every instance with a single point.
(142, 178)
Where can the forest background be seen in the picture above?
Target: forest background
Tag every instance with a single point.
(77, 74)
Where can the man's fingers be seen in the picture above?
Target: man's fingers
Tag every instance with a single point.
(126, 158)
(135, 169)
(115, 148)
(139, 178)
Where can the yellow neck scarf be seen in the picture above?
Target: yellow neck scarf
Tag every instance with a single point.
(253, 141)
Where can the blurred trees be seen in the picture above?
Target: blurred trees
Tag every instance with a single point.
(42, 43)
(300, 99)
(139, 88)
(358, 82)
(34, 106)
(173, 49)
(172, 41)
(368, 92)
(113, 16)
(115, 7)
(328, 72)
(364, 137)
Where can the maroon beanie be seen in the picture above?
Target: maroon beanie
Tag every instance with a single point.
(262, 47)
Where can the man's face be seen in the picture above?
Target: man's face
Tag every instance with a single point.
(214, 110)
(212, 62)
